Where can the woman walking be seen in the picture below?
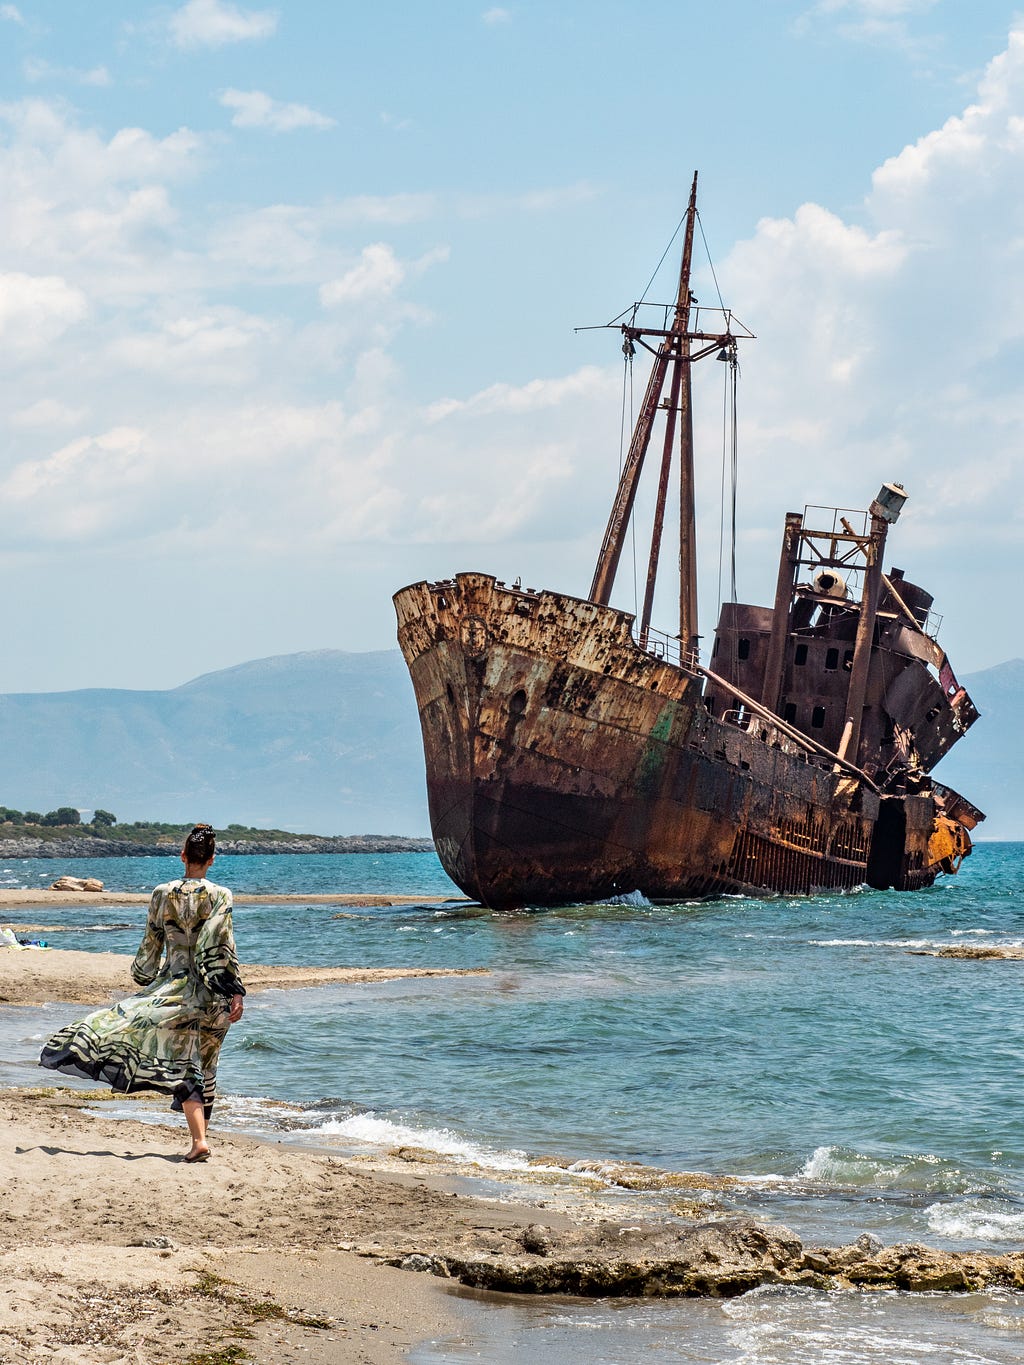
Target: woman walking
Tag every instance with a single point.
(168, 1037)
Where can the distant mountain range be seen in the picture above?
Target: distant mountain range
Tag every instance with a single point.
(329, 743)
(324, 743)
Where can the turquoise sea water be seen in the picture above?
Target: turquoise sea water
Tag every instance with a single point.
(806, 1045)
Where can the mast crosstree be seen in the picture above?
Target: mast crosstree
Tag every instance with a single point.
(675, 348)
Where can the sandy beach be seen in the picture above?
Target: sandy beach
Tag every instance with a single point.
(116, 1251)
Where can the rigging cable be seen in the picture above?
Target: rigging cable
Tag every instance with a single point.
(663, 255)
(729, 438)
(711, 263)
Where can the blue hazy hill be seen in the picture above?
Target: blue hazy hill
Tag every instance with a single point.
(325, 742)
(986, 765)
(328, 743)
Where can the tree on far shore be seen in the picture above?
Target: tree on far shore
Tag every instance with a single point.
(104, 817)
(63, 815)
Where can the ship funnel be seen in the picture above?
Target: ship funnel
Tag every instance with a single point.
(889, 503)
(829, 584)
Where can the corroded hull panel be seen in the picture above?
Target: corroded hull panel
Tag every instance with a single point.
(566, 764)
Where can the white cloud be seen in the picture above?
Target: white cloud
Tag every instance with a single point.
(496, 15)
(36, 69)
(879, 9)
(254, 109)
(212, 23)
(35, 310)
(883, 23)
(534, 396)
(48, 413)
(377, 274)
(11, 14)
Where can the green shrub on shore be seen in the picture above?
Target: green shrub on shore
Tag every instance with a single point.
(135, 832)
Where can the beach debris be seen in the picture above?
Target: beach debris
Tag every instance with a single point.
(77, 884)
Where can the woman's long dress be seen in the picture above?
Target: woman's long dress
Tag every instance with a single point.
(168, 1037)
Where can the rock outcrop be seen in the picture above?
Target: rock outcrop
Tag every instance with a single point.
(719, 1258)
(1012, 952)
(77, 884)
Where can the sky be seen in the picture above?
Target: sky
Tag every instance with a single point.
(288, 299)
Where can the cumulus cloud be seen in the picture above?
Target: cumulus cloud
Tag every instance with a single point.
(377, 273)
(254, 109)
(212, 23)
(890, 347)
(35, 310)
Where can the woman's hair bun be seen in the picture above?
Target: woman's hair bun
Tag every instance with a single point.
(200, 844)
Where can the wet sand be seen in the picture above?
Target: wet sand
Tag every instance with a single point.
(37, 976)
(19, 897)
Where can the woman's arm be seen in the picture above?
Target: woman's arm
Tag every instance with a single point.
(147, 959)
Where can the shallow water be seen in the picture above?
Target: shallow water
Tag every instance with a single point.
(804, 1045)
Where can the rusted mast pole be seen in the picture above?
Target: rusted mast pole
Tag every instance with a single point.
(618, 520)
(659, 510)
(870, 593)
(789, 559)
(688, 637)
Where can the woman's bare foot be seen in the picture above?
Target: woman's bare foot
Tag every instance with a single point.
(198, 1152)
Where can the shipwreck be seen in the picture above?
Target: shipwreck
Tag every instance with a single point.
(573, 753)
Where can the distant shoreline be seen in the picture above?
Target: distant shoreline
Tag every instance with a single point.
(94, 846)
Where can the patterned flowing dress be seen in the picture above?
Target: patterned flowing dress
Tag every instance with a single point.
(168, 1037)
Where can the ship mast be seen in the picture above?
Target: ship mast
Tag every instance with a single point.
(673, 357)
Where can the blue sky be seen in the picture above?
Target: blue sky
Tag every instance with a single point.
(287, 299)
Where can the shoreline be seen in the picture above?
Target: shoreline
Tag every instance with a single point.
(21, 898)
(39, 976)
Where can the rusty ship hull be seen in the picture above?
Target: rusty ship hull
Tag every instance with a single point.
(566, 764)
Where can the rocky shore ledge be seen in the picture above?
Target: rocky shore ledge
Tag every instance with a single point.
(94, 846)
(718, 1258)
